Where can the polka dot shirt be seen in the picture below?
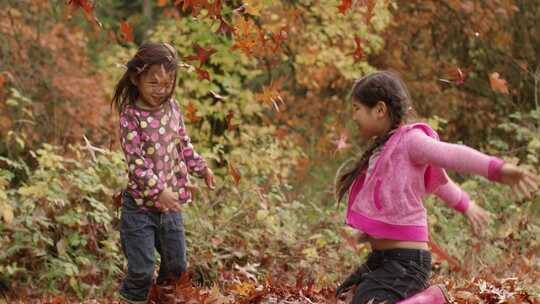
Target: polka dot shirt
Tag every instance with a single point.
(158, 152)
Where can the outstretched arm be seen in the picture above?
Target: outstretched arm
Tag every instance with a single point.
(426, 150)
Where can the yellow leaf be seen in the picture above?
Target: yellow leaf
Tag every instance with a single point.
(6, 211)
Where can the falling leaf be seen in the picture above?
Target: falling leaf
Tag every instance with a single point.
(270, 94)
(358, 52)
(235, 174)
(126, 31)
(344, 6)
(162, 3)
(192, 113)
(341, 143)
(202, 54)
(455, 75)
(498, 84)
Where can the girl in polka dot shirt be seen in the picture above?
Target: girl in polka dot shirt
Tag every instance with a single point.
(160, 159)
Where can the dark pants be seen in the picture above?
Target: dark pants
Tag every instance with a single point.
(142, 231)
(393, 275)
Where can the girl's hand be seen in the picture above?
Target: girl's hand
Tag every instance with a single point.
(209, 179)
(478, 217)
(521, 181)
(169, 201)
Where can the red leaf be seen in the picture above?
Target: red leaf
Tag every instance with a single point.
(126, 31)
(358, 52)
(203, 55)
(224, 27)
(498, 84)
(87, 7)
(202, 74)
(235, 174)
(344, 6)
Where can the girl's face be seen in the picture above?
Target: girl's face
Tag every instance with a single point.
(371, 121)
(155, 85)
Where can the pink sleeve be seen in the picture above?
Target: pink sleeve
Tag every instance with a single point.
(425, 150)
(140, 168)
(453, 196)
(195, 163)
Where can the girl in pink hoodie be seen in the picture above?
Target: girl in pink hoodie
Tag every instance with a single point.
(388, 183)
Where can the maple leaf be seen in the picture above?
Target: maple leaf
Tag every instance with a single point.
(235, 174)
(192, 113)
(202, 74)
(202, 55)
(358, 52)
(344, 6)
(224, 27)
(245, 45)
(498, 84)
(126, 31)
(162, 3)
(84, 4)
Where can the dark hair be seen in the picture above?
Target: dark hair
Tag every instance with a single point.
(379, 86)
(148, 54)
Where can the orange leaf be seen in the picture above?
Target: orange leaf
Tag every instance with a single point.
(270, 94)
(162, 3)
(253, 7)
(498, 84)
(192, 113)
(126, 30)
(235, 174)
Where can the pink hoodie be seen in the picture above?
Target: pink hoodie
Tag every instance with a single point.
(389, 203)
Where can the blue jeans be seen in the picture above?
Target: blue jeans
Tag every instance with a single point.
(394, 275)
(142, 231)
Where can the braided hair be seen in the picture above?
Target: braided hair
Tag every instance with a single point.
(379, 86)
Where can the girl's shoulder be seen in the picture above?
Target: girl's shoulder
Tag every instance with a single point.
(413, 128)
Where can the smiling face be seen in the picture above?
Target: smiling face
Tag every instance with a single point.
(372, 121)
(155, 85)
